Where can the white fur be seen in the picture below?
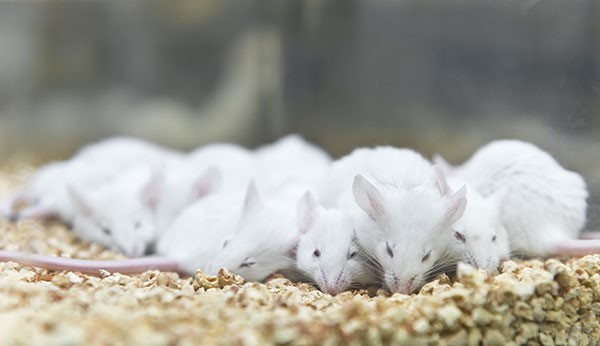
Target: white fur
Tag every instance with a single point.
(196, 236)
(264, 238)
(544, 205)
(396, 202)
(290, 161)
(93, 165)
(478, 237)
(221, 168)
(117, 214)
(328, 251)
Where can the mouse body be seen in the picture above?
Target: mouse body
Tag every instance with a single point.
(328, 252)
(401, 215)
(544, 206)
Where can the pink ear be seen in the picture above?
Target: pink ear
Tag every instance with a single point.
(306, 212)
(79, 200)
(208, 183)
(368, 197)
(252, 200)
(441, 181)
(152, 189)
(456, 205)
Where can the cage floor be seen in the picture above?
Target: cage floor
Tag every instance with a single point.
(536, 302)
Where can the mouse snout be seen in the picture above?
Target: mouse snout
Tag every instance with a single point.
(396, 285)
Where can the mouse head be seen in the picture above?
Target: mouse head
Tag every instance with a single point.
(262, 242)
(117, 216)
(478, 236)
(405, 229)
(327, 250)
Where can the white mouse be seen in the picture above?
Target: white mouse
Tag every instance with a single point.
(402, 216)
(264, 239)
(478, 237)
(544, 207)
(328, 251)
(118, 214)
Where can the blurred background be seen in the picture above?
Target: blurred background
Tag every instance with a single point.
(438, 76)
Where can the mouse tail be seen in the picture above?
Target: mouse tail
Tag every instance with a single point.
(92, 267)
(576, 247)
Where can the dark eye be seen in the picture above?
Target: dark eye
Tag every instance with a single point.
(225, 243)
(426, 257)
(247, 263)
(388, 249)
(494, 238)
(137, 225)
(460, 236)
(352, 254)
(106, 231)
(317, 253)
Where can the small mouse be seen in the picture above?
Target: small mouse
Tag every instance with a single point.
(544, 206)
(478, 237)
(264, 238)
(402, 215)
(328, 251)
(118, 214)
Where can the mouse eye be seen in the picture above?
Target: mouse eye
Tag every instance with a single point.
(317, 253)
(352, 254)
(460, 236)
(137, 224)
(106, 231)
(247, 263)
(426, 257)
(494, 238)
(225, 243)
(388, 249)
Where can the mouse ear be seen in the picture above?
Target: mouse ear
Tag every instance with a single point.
(151, 191)
(306, 212)
(440, 162)
(368, 197)
(80, 200)
(441, 181)
(207, 183)
(252, 200)
(456, 204)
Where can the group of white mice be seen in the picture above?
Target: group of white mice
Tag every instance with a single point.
(380, 215)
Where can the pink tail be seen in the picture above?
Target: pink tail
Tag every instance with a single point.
(577, 247)
(590, 235)
(93, 267)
